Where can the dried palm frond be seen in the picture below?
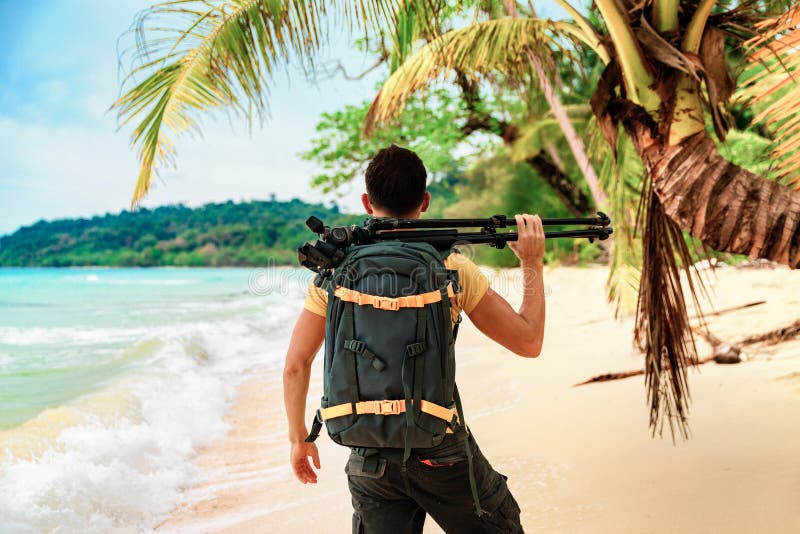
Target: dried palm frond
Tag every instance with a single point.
(663, 331)
(772, 81)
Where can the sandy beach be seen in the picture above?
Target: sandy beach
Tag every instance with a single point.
(579, 459)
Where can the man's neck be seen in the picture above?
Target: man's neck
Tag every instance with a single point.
(376, 213)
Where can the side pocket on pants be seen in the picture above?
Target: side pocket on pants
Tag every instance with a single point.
(502, 509)
(369, 467)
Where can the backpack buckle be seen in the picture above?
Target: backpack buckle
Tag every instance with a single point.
(416, 348)
(388, 407)
(452, 277)
(386, 303)
(354, 345)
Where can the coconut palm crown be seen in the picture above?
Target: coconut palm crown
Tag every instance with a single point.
(674, 70)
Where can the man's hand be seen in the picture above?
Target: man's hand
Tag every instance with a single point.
(529, 247)
(300, 464)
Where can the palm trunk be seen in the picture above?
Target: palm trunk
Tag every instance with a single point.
(574, 141)
(729, 208)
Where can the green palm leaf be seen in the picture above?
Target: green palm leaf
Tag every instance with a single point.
(498, 45)
(622, 179)
(541, 129)
(221, 57)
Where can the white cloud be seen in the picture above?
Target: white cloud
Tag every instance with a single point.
(61, 156)
(73, 170)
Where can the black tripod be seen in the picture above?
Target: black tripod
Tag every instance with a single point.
(444, 234)
(328, 251)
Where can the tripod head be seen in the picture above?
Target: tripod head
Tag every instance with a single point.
(324, 254)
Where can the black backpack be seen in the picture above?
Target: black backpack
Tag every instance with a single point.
(389, 370)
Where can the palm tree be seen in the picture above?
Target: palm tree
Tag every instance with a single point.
(666, 82)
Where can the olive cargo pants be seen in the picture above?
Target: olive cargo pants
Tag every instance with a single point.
(391, 499)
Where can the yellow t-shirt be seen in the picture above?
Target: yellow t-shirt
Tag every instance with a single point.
(472, 281)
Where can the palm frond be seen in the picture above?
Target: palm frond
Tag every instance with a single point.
(621, 179)
(405, 33)
(498, 45)
(415, 20)
(772, 82)
(645, 275)
(590, 31)
(662, 329)
(540, 130)
(194, 56)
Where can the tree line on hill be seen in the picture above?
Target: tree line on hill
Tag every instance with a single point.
(253, 233)
(260, 233)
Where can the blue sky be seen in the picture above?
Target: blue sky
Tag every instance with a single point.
(62, 156)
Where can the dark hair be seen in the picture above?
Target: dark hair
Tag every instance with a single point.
(396, 180)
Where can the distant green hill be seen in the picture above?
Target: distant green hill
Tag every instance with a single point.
(227, 234)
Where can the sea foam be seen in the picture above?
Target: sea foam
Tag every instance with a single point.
(116, 459)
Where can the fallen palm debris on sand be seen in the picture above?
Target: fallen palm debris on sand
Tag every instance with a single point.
(724, 353)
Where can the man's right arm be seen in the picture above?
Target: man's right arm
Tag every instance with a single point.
(521, 332)
(307, 337)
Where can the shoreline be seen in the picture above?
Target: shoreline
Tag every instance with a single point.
(579, 459)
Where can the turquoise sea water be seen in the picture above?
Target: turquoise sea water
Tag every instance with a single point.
(111, 378)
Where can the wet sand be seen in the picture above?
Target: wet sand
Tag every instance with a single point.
(578, 459)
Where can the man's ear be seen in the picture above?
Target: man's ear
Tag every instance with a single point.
(366, 203)
(426, 202)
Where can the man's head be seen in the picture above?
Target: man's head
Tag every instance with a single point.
(396, 184)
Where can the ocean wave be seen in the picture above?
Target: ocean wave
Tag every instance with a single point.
(182, 318)
(115, 459)
(118, 461)
(96, 279)
(13, 335)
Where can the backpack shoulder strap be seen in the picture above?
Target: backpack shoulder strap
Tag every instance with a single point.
(452, 274)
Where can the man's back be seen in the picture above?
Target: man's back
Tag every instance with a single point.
(393, 489)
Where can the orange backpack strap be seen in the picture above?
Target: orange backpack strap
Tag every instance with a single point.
(388, 303)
